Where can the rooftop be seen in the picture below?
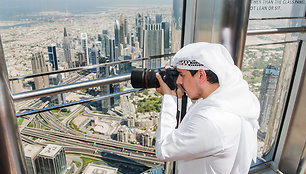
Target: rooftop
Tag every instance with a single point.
(50, 150)
(32, 150)
(97, 169)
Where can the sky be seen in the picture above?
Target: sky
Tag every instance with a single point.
(11, 8)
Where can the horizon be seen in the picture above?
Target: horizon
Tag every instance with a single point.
(18, 9)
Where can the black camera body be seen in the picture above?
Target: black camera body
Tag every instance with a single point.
(146, 78)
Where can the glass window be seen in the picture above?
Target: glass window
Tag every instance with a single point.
(41, 36)
(268, 65)
(268, 70)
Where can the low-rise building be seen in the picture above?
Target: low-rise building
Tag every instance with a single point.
(99, 169)
(31, 152)
(52, 159)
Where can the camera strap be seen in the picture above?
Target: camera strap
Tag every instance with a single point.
(179, 118)
(184, 106)
(181, 115)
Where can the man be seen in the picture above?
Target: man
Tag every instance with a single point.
(219, 131)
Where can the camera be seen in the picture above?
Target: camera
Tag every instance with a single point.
(146, 78)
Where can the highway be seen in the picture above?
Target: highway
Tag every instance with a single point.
(127, 152)
(74, 141)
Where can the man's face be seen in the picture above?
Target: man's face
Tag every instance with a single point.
(189, 83)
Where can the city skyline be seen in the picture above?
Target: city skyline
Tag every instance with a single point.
(74, 32)
(89, 39)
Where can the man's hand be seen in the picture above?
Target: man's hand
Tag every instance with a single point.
(163, 89)
(180, 91)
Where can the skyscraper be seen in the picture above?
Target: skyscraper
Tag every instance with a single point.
(125, 67)
(55, 80)
(105, 45)
(122, 30)
(165, 27)
(267, 93)
(94, 56)
(112, 51)
(117, 33)
(67, 49)
(52, 159)
(126, 29)
(104, 72)
(107, 71)
(139, 35)
(139, 29)
(100, 37)
(39, 66)
(153, 44)
(53, 57)
(84, 44)
(158, 18)
(138, 19)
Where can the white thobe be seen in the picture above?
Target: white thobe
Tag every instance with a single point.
(206, 141)
(218, 133)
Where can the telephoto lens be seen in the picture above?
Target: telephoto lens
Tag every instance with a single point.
(146, 78)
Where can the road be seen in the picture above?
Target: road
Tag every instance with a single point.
(128, 153)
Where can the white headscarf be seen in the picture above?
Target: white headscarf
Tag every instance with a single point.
(233, 95)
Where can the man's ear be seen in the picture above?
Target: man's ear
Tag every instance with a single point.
(202, 75)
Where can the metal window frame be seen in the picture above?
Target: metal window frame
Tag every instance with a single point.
(291, 98)
(291, 101)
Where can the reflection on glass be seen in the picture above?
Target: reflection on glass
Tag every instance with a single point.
(268, 70)
(176, 25)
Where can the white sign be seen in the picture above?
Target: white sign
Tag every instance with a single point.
(277, 8)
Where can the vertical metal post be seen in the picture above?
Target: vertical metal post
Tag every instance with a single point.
(12, 156)
(219, 21)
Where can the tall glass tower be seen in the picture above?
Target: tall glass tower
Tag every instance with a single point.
(84, 44)
(53, 57)
(67, 49)
(153, 43)
(165, 27)
(267, 93)
(117, 33)
(39, 66)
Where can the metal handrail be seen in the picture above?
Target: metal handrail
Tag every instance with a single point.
(36, 111)
(276, 18)
(276, 31)
(69, 87)
(89, 67)
(272, 43)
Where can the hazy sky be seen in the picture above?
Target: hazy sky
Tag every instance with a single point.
(10, 8)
